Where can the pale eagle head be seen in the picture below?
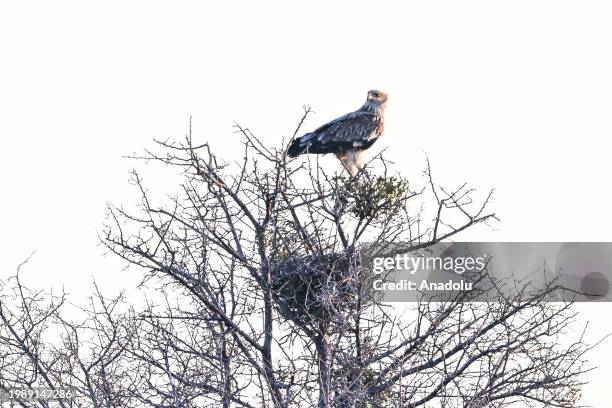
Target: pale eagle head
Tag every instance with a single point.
(377, 97)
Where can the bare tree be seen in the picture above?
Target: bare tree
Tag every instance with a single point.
(258, 294)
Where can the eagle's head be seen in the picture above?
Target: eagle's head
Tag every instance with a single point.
(377, 97)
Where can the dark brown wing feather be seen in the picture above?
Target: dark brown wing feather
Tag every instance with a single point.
(356, 129)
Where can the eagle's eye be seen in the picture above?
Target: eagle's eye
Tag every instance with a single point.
(375, 94)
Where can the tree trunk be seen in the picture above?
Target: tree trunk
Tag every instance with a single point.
(324, 368)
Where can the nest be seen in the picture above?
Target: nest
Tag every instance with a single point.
(315, 289)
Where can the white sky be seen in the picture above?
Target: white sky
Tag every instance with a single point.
(515, 95)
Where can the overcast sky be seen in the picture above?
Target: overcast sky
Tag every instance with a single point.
(513, 95)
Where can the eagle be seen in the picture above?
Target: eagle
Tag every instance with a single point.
(347, 136)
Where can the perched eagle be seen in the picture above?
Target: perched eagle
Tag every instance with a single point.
(347, 136)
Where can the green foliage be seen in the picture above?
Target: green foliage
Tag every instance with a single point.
(370, 197)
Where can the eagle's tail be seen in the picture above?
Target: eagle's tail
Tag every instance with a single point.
(295, 148)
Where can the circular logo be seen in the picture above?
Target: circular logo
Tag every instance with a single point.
(595, 285)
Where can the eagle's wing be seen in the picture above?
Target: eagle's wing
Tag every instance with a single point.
(354, 127)
(353, 130)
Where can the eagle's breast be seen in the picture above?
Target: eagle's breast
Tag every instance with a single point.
(380, 127)
(377, 128)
